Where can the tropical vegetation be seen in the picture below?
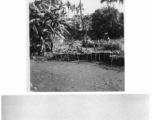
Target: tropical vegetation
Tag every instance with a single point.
(50, 23)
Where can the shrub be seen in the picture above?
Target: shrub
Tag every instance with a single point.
(88, 43)
(113, 45)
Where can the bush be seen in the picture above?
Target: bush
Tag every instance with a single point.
(107, 19)
(88, 43)
(113, 45)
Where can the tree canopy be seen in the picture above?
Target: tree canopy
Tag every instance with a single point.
(107, 20)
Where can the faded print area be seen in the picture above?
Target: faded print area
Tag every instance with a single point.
(76, 107)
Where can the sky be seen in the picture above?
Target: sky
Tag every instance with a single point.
(91, 5)
(76, 107)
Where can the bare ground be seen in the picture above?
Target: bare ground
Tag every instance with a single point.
(52, 76)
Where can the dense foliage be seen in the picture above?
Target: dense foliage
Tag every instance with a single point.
(107, 19)
(47, 20)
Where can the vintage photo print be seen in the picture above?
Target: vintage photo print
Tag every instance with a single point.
(76, 45)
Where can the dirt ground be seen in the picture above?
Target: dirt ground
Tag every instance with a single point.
(53, 76)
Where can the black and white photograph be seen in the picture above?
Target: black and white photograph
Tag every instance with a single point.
(76, 107)
(76, 45)
(75, 60)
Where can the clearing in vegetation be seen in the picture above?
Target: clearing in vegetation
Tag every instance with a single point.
(51, 76)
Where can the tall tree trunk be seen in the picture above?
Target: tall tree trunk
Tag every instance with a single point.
(74, 19)
(81, 16)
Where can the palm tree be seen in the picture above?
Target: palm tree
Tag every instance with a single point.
(81, 14)
(111, 1)
(73, 8)
(77, 10)
(68, 4)
(80, 8)
(107, 2)
(87, 22)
